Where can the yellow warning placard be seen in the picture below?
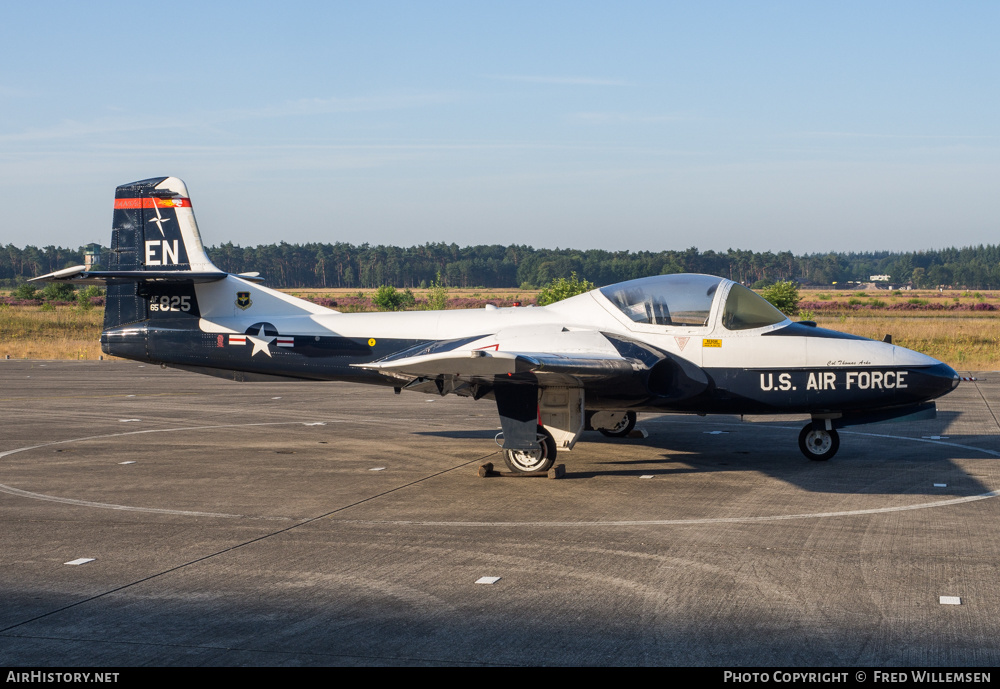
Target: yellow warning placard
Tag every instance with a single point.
(711, 343)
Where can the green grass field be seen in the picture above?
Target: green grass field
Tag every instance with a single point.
(40, 332)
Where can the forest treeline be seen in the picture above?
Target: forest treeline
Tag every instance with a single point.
(364, 266)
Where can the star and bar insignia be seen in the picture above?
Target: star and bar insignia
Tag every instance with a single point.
(261, 340)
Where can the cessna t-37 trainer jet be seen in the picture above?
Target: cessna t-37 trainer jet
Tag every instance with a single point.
(670, 343)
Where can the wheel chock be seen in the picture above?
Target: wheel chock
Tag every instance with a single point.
(487, 471)
(638, 433)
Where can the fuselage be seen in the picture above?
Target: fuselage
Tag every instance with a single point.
(750, 365)
(679, 343)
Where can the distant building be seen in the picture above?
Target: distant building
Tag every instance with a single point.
(92, 255)
(880, 278)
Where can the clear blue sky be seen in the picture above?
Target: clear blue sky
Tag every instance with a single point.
(801, 126)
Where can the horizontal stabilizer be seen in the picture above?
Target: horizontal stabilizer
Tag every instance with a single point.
(79, 275)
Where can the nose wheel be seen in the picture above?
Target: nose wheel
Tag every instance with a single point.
(818, 444)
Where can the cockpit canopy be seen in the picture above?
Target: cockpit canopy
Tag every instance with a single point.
(685, 300)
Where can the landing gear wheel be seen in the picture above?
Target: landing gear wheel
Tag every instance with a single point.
(622, 428)
(541, 459)
(818, 444)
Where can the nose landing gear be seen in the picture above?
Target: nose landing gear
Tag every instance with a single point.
(818, 444)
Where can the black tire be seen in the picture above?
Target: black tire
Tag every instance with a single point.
(623, 428)
(817, 444)
(526, 461)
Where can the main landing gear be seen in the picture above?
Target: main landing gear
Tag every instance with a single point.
(539, 459)
(622, 428)
(817, 443)
(613, 424)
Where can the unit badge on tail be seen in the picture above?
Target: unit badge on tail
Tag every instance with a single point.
(243, 300)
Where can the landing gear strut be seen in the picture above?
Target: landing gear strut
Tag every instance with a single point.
(818, 444)
(540, 459)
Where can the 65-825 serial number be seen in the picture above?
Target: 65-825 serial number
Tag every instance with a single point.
(170, 303)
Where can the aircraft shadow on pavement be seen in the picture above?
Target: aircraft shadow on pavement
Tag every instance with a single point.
(911, 461)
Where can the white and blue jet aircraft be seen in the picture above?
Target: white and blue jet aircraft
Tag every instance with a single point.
(671, 343)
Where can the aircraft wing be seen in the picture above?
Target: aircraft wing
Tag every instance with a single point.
(583, 359)
(533, 387)
(480, 365)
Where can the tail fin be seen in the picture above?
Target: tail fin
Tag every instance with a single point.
(154, 229)
(156, 251)
(154, 234)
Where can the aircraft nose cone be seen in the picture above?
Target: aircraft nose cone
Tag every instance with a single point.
(955, 378)
(941, 379)
(930, 378)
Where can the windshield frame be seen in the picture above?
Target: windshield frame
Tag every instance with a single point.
(754, 329)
